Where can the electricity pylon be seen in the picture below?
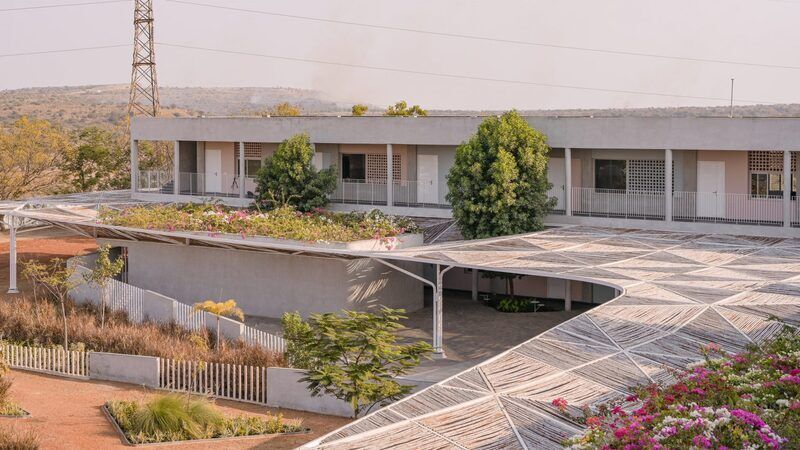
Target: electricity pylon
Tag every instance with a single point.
(144, 87)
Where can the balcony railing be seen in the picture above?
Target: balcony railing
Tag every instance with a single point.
(406, 193)
(730, 208)
(615, 203)
(155, 182)
(795, 212)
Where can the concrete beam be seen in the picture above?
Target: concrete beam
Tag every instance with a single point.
(176, 170)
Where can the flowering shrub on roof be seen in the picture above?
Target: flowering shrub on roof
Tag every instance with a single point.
(280, 223)
(745, 401)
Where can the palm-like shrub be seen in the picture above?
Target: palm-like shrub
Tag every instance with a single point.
(227, 308)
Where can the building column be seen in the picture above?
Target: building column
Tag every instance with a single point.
(438, 311)
(787, 188)
(389, 175)
(568, 181)
(12, 254)
(668, 185)
(567, 295)
(176, 170)
(134, 165)
(242, 190)
(475, 285)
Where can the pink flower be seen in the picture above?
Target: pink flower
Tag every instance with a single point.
(560, 403)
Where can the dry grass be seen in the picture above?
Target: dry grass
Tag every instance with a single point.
(28, 321)
(11, 439)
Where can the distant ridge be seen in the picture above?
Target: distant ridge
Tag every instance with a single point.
(78, 106)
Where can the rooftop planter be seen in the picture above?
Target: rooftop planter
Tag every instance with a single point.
(372, 230)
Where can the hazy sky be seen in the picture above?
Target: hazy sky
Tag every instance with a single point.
(755, 31)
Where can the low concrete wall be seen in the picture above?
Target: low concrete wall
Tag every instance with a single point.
(285, 390)
(141, 370)
(157, 307)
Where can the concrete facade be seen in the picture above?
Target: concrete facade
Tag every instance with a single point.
(269, 285)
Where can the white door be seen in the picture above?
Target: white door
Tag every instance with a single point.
(427, 178)
(711, 188)
(213, 170)
(556, 174)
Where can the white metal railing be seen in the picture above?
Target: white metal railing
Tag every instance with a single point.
(134, 301)
(404, 193)
(228, 381)
(560, 196)
(71, 363)
(795, 219)
(155, 182)
(618, 203)
(222, 185)
(727, 208)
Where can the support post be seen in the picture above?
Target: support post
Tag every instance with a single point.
(438, 300)
(176, 170)
(668, 185)
(242, 190)
(567, 295)
(475, 285)
(389, 176)
(12, 254)
(134, 165)
(787, 188)
(568, 181)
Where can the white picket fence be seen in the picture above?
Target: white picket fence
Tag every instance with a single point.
(57, 361)
(141, 304)
(226, 381)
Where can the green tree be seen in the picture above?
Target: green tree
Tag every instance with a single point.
(227, 308)
(359, 109)
(401, 109)
(353, 357)
(498, 183)
(103, 272)
(31, 153)
(289, 178)
(58, 278)
(99, 161)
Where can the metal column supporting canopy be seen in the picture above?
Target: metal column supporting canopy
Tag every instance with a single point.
(438, 349)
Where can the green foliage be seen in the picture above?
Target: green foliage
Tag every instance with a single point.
(280, 223)
(98, 161)
(498, 184)
(359, 109)
(58, 279)
(514, 305)
(171, 417)
(289, 178)
(401, 109)
(227, 308)
(104, 271)
(31, 153)
(354, 356)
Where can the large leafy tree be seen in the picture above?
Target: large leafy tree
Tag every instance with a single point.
(401, 108)
(31, 154)
(99, 161)
(289, 178)
(498, 184)
(354, 356)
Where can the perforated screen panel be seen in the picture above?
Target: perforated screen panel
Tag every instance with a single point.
(376, 167)
(645, 175)
(251, 150)
(768, 161)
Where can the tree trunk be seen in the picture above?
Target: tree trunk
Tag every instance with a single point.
(103, 300)
(64, 318)
(218, 340)
(511, 287)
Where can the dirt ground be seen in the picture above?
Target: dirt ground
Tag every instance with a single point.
(66, 413)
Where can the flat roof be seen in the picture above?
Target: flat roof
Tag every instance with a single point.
(679, 291)
(678, 133)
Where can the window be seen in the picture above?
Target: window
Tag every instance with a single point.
(354, 167)
(769, 183)
(610, 174)
(252, 158)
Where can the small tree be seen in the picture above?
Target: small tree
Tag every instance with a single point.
(227, 308)
(58, 278)
(283, 109)
(498, 184)
(401, 109)
(104, 270)
(359, 109)
(353, 357)
(289, 178)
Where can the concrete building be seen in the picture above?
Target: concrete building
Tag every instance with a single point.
(728, 175)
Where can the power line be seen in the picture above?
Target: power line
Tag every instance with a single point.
(489, 39)
(65, 5)
(64, 50)
(455, 76)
